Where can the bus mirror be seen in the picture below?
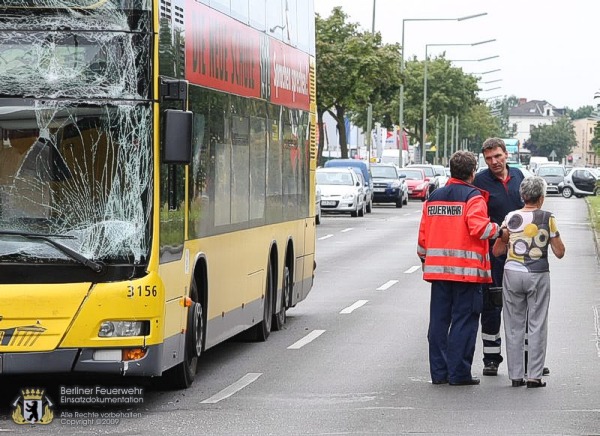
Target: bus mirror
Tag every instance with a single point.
(177, 139)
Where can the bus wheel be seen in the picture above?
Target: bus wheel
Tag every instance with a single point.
(263, 329)
(286, 294)
(182, 375)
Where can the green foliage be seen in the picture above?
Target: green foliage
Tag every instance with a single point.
(501, 108)
(594, 203)
(558, 137)
(596, 139)
(582, 112)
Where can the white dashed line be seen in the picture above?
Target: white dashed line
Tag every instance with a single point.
(387, 285)
(356, 305)
(412, 269)
(306, 339)
(233, 388)
(347, 230)
(325, 237)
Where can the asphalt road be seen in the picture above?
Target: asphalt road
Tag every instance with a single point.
(352, 359)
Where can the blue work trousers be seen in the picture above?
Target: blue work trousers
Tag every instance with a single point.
(453, 322)
(491, 316)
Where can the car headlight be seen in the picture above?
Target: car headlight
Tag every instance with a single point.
(422, 186)
(117, 329)
(395, 184)
(348, 197)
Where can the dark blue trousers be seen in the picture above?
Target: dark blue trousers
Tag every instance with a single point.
(491, 316)
(453, 322)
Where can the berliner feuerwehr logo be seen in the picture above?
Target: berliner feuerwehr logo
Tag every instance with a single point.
(32, 407)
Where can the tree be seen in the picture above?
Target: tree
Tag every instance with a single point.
(501, 109)
(582, 112)
(558, 137)
(477, 125)
(353, 69)
(596, 139)
(449, 92)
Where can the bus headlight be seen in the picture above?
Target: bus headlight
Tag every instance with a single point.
(116, 329)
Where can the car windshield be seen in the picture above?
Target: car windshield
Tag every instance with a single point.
(334, 178)
(413, 174)
(384, 172)
(428, 171)
(551, 171)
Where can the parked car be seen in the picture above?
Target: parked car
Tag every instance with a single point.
(418, 184)
(580, 182)
(430, 174)
(361, 166)
(388, 185)
(554, 176)
(440, 172)
(342, 191)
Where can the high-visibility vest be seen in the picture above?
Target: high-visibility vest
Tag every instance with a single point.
(453, 234)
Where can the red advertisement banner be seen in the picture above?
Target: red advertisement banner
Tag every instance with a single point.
(224, 54)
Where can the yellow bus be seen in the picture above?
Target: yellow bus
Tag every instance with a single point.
(157, 183)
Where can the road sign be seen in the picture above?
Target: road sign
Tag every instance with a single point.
(552, 155)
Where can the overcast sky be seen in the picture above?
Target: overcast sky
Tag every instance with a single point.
(547, 50)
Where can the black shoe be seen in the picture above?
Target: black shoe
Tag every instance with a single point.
(470, 382)
(439, 382)
(536, 384)
(490, 369)
(518, 383)
(546, 371)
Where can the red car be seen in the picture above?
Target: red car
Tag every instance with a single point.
(418, 184)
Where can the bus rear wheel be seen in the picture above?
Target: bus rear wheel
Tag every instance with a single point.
(263, 329)
(286, 296)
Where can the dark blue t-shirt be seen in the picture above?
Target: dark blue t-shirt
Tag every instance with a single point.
(502, 199)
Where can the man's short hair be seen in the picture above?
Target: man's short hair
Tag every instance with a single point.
(462, 165)
(492, 143)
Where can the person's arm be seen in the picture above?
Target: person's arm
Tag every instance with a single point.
(478, 221)
(557, 245)
(558, 248)
(501, 244)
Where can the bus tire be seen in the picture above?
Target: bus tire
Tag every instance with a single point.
(182, 375)
(286, 296)
(263, 328)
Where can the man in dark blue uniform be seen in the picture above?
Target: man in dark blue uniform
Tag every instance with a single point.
(502, 183)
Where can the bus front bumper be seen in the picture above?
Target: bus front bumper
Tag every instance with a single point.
(86, 360)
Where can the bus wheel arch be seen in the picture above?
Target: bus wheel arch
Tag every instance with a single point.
(182, 375)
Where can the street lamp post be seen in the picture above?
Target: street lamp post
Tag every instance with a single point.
(401, 114)
(424, 132)
(370, 106)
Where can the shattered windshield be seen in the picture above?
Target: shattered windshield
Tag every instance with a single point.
(75, 128)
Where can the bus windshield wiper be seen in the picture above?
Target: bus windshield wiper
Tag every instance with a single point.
(95, 266)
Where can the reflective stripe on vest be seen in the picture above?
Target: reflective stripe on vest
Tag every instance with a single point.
(456, 271)
(451, 252)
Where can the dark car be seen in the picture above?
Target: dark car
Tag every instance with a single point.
(554, 176)
(388, 185)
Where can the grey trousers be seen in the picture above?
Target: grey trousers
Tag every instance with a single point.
(526, 297)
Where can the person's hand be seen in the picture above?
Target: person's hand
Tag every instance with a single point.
(505, 234)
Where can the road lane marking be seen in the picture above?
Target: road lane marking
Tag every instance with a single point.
(356, 305)
(233, 388)
(412, 269)
(325, 237)
(387, 285)
(306, 339)
(347, 230)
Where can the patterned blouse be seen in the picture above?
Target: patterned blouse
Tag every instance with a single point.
(530, 233)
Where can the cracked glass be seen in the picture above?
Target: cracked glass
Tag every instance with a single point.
(75, 129)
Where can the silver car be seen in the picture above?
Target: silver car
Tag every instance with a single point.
(342, 191)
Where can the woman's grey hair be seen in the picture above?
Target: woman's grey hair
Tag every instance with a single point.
(532, 189)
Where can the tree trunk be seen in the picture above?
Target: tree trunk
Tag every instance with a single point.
(321, 131)
(341, 124)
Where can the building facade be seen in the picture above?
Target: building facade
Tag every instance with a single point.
(530, 114)
(583, 154)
